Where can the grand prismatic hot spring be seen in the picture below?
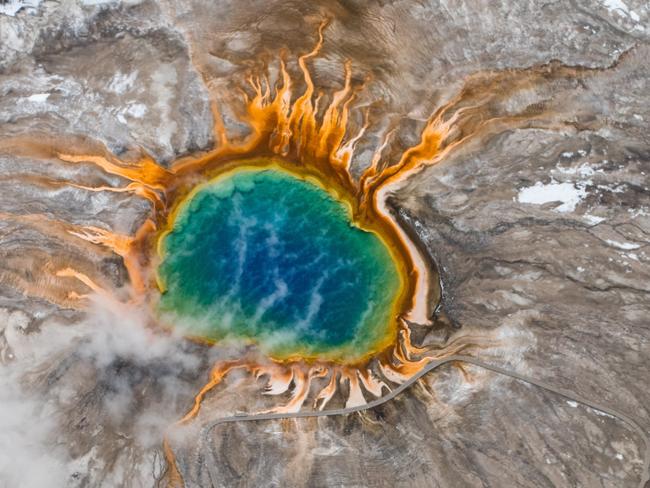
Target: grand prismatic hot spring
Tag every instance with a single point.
(283, 261)
(326, 243)
(265, 256)
(272, 242)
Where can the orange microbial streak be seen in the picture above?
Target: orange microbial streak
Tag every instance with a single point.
(173, 476)
(304, 133)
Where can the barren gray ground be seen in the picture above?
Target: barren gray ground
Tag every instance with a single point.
(541, 234)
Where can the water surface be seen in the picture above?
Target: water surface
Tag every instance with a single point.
(265, 256)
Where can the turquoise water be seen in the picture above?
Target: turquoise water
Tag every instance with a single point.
(264, 256)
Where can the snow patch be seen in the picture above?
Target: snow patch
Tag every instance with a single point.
(600, 413)
(621, 8)
(582, 170)
(12, 7)
(593, 219)
(137, 110)
(122, 82)
(38, 97)
(638, 212)
(622, 245)
(613, 188)
(569, 194)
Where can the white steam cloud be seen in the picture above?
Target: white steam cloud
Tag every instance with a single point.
(78, 400)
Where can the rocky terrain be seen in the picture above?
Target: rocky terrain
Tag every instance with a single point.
(540, 227)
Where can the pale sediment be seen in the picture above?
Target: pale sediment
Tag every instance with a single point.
(422, 307)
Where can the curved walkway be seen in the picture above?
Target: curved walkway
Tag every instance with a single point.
(645, 478)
